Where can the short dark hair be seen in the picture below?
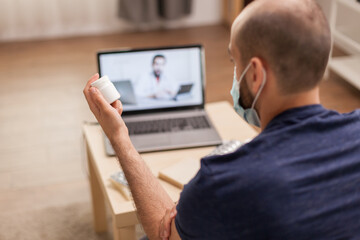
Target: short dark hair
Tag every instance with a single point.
(158, 56)
(296, 45)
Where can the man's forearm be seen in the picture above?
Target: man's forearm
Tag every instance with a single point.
(150, 198)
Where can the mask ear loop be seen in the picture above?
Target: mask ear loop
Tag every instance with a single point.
(243, 73)
(261, 88)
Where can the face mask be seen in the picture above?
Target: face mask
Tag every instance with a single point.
(249, 115)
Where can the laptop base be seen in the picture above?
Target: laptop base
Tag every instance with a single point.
(171, 140)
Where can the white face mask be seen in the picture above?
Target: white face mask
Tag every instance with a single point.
(249, 115)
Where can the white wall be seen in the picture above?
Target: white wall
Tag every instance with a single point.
(326, 6)
(34, 19)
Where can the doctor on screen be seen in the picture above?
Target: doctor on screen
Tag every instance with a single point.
(156, 84)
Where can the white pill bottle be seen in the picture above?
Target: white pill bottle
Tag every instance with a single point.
(107, 89)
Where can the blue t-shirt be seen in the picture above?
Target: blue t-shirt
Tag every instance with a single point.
(298, 179)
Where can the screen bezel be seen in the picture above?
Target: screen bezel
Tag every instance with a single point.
(202, 71)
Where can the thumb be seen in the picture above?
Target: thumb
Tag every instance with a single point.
(98, 98)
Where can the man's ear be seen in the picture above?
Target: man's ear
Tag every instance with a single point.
(256, 75)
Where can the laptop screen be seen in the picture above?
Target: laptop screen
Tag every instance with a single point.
(159, 78)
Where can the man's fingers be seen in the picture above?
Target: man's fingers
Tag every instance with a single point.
(163, 231)
(165, 225)
(98, 99)
(89, 82)
(167, 222)
(118, 106)
(173, 212)
(88, 98)
(170, 216)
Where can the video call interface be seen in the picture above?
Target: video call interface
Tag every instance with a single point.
(155, 79)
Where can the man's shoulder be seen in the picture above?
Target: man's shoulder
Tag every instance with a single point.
(214, 169)
(240, 168)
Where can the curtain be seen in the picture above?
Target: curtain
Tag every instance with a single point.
(141, 11)
(27, 19)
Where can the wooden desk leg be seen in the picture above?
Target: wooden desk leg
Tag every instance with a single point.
(98, 201)
(125, 233)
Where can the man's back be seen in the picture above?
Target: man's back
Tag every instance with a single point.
(299, 179)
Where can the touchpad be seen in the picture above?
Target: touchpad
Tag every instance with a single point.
(151, 140)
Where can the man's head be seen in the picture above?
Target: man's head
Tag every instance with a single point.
(290, 39)
(158, 64)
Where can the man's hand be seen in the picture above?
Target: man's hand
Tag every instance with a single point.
(165, 224)
(108, 116)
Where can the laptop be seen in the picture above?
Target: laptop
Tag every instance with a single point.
(151, 81)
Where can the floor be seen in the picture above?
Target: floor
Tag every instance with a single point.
(42, 108)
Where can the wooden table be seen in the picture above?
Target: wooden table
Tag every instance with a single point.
(101, 166)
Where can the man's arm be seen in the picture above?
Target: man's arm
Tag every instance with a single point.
(150, 198)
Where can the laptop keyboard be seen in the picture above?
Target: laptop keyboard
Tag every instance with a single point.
(167, 125)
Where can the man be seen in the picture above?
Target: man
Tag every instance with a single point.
(156, 84)
(298, 179)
